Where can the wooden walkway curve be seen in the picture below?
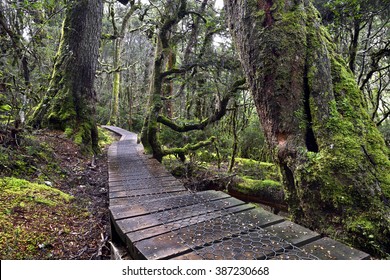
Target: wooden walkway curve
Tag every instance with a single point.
(156, 217)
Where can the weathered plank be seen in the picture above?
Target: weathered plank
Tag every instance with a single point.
(162, 204)
(142, 185)
(329, 249)
(139, 192)
(169, 227)
(293, 233)
(141, 222)
(254, 244)
(201, 233)
(140, 199)
(140, 180)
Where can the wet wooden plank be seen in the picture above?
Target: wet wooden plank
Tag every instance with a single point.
(141, 176)
(293, 233)
(258, 244)
(140, 199)
(187, 256)
(141, 186)
(252, 245)
(161, 204)
(329, 249)
(265, 218)
(151, 221)
(169, 227)
(142, 222)
(139, 192)
(131, 171)
(120, 175)
(201, 233)
(139, 179)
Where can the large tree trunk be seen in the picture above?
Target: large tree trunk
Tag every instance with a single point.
(69, 104)
(334, 160)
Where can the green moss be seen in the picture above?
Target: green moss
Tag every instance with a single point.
(268, 190)
(68, 132)
(257, 170)
(26, 192)
(255, 185)
(105, 137)
(27, 213)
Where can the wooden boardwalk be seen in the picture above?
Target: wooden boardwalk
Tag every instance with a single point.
(156, 217)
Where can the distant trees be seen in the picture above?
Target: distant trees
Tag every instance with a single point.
(361, 33)
(25, 32)
(118, 36)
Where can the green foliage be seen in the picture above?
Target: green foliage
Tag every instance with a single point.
(105, 137)
(252, 142)
(27, 51)
(31, 159)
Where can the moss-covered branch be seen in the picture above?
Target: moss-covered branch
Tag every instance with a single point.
(178, 70)
(218, 114)
(188, 148)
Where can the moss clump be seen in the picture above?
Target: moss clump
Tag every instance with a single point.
(23, 213)
(252, 187)
(266, 191)
(25, 192)
(105, 137)
(257, 170)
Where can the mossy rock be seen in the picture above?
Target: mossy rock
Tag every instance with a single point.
(268, 191)
(26, 193)
(257, 170)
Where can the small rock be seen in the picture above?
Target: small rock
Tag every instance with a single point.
(48, 183)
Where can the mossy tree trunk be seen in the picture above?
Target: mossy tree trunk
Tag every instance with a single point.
(334, 160)
(149, 134)
(69, 104)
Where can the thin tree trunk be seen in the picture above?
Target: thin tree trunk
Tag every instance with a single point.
(118, 47)
(354, 45)
(235, 138)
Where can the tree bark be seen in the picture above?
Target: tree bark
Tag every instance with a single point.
(149, 133)
(69, 104)
(334, 161)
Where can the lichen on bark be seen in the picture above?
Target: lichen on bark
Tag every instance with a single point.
(334, 161)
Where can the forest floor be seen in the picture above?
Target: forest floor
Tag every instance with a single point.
(47, 228)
